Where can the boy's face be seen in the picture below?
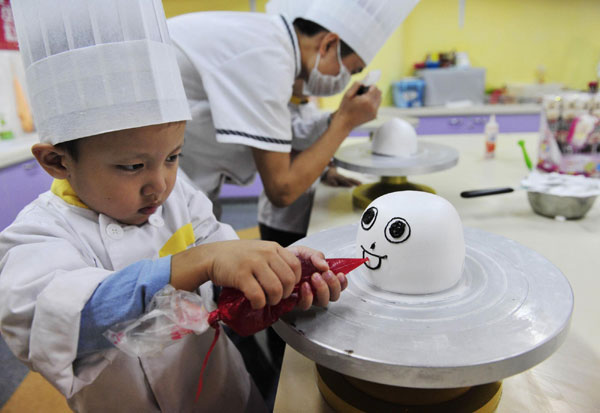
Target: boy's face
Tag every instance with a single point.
(127, 174)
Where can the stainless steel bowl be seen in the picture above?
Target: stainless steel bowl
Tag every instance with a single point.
(570, 207)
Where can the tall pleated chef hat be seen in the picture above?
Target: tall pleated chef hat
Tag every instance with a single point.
(96, 66)
(364, 25)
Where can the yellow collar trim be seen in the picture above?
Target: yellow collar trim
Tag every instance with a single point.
(179, 241)
(62, 189)
(298, 101)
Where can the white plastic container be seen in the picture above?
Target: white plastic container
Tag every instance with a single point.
(452, 84)
(491, 135)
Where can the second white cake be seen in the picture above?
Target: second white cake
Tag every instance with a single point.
(395, 137)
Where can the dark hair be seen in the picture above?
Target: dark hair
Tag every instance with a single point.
(310, 28)
(70, 147)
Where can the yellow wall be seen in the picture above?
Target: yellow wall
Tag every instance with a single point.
(175, 7)
(510, 38)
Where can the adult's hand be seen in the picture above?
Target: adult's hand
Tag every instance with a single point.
(357, 109)
(334, 178)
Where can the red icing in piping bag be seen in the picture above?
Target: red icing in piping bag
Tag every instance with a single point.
(235, 310)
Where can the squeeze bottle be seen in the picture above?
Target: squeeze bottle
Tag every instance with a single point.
(491, 134)
(5, 130)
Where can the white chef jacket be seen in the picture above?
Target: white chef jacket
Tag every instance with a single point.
(238, 70)
(54, 256)
(308, 124)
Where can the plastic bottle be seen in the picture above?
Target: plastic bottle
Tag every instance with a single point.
(491, 134)
(5, 130)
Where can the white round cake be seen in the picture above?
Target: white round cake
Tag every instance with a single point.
(414, 241)
(395, 137)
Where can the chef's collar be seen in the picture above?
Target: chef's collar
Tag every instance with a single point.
(295, 45)
(62, 189)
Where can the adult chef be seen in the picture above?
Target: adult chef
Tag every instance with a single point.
(238, 70)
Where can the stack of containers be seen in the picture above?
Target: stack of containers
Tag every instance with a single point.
(570, 134)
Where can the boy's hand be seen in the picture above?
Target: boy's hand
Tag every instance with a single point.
(264, 272)
(328, 286)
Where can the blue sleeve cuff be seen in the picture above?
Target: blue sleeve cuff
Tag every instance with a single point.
(159, 277)
(122, 296)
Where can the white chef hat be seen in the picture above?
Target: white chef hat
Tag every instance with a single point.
(96, 66)
(364, 25)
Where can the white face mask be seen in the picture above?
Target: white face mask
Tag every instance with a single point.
(320, 84)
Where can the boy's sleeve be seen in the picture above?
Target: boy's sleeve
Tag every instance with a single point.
(123, 296)
(49, 289)
(45, 282)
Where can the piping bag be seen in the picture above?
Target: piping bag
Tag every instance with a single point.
(234, 309)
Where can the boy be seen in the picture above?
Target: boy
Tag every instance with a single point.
(118, 223)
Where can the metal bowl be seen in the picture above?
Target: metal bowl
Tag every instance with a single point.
(570, 207)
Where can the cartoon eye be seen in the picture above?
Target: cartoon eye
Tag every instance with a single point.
(368, 218)
(397, 230)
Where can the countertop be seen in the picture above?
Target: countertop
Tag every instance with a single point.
(413, 115)
(509, 109)
(565, 382)
(17, 150)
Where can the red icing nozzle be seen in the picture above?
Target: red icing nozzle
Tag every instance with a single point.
(345, 265)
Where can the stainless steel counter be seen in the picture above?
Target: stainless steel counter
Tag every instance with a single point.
(19, 149)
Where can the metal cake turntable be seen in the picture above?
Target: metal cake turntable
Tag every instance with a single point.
(510, 311)
(430, 157)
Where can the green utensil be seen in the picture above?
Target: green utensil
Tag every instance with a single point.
(527, 160)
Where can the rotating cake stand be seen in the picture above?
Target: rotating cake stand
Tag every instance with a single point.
(430, 157)
(510, 311)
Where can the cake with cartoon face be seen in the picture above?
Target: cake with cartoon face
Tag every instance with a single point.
(414, 241)
(395, 137)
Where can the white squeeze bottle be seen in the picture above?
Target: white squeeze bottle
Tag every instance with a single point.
(491, 134)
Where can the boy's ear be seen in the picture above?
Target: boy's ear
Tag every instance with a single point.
(52, 159)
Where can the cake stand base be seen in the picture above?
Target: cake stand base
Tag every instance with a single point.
(364, 194)
(350, 395)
